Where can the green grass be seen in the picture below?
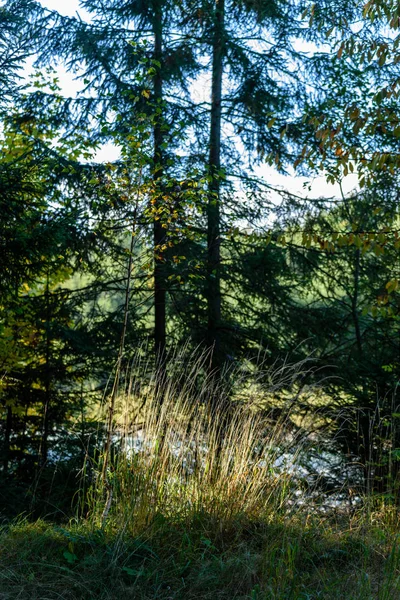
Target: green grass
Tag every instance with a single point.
(281, 560)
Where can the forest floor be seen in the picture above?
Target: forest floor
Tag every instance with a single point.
(294, 558)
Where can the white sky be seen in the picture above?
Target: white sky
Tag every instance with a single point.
(295, 184)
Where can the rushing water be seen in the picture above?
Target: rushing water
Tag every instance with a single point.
(326, 476)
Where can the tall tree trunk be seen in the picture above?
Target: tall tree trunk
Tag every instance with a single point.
(214, 228)
(158, 230)
(213, 206)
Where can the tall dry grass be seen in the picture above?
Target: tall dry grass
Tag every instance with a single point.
(186, 444)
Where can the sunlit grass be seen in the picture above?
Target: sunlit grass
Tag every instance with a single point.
(187, 444)
(195, 504)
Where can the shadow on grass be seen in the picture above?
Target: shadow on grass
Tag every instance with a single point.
(198, 560)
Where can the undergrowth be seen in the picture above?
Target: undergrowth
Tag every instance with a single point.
(251, 559)
(201, 499)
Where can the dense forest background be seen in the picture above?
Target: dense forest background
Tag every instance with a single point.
(178, 243)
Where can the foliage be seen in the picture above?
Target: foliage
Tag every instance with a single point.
(177, 239)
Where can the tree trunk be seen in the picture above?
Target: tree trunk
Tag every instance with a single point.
(213, 206)
(365, 416)
(354, 302)
(115, 388)
(158, 230)
(7, 438)
(47, 397)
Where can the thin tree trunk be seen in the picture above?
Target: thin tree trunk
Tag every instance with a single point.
(354, 303)
(47, 398)
(213, 207)
(158, 230)
(365, 418)
(7, 438)
(9, 412)
(114, 391)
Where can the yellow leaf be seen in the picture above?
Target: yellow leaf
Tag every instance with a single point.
(392, 285)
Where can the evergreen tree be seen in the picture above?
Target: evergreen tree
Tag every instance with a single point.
(132, 57)
(57, 332)
(258, 86)
(39, 233)
(344, 258)
(14, 49)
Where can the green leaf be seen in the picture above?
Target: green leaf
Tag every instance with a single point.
(133, 572)
(70, 557)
